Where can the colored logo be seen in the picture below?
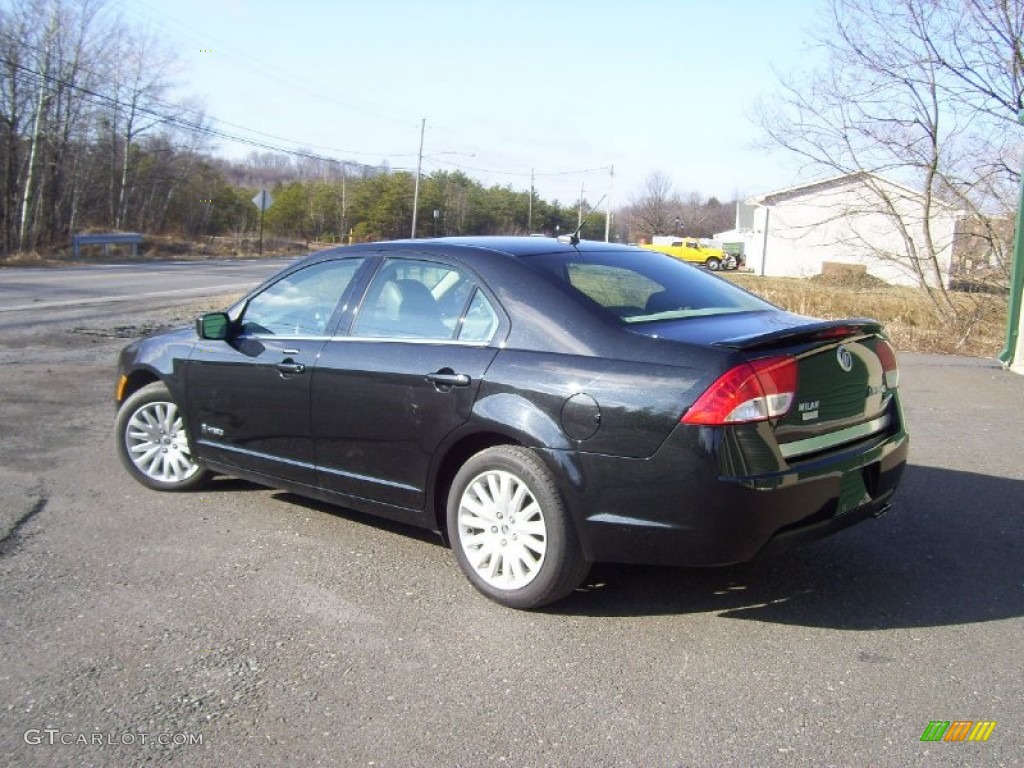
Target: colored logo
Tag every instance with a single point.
(958, 730)
(845, 358)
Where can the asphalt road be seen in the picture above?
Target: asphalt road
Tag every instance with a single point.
(37, 289)
(277, 631)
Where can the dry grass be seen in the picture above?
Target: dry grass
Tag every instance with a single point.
(909, 316)
(160, 248)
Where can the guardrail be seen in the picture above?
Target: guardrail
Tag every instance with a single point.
(106, 240)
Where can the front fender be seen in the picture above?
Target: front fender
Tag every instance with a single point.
(161, 357)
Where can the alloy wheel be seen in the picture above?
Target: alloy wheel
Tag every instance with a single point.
(502, 530)
(157, 444)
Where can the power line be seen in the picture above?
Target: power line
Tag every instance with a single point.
(301, 149)
(97, 98)
(577, 172)
(198, 114)
(102, 99)
(291, 80)
(251, 63)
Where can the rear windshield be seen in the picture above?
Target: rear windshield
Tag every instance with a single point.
(641, 286)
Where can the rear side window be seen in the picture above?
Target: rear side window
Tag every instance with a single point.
(413, 299)
(639, 286)
(481, 321)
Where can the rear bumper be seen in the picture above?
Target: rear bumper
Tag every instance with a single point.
(679, 508)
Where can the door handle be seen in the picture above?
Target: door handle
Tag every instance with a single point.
(446, 377)
(287, 366)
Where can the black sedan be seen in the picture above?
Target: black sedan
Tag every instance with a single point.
(544, 404)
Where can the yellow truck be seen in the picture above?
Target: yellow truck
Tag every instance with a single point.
(693, 250)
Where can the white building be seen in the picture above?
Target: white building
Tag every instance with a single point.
(860, 219)
(743, 232)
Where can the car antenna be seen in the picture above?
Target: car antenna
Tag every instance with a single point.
(573, 238)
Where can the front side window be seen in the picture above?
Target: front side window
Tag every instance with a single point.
(301, 303)
(412, 299)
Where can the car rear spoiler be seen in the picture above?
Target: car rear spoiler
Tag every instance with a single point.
(823, 330)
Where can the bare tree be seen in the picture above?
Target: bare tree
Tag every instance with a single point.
(657, 210)
(137, 89)
(14, 106)
(922, 92)
(80, 95)
(44, 44)
(44, 54)
(704, 216)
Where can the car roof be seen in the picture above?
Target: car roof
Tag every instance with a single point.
(509, 245)
(525, 246)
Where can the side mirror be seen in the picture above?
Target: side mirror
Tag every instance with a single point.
(213, 326)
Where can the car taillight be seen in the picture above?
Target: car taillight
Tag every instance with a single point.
(835, 332)
(755, 391)
(887, 357)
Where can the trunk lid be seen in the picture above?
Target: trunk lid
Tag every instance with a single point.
(846, 373)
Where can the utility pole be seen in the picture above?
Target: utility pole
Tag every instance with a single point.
(579, 219)
(416, 187)
(529, 215)
(608, 205)
(344, 210)
(261, 232)
(1012, 356)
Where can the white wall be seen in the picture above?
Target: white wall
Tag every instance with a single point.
(745, 236)
(847, 224)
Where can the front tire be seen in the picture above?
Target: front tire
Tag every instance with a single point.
(152, 443)
(510, 531)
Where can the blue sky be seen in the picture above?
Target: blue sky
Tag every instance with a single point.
(565, 88)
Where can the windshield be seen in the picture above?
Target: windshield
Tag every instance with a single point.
(640, 286)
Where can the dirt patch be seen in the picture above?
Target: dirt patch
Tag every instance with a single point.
(157, 321)
(846, 278)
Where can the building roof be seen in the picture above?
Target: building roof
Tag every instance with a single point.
(834, 182)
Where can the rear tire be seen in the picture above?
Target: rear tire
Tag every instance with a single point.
(510, 531)
(713, 264)
(152, 443)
